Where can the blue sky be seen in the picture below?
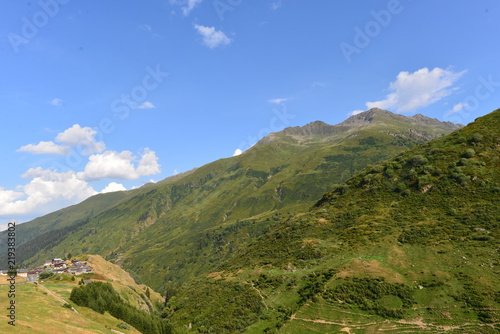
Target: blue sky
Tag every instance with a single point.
(108, 95)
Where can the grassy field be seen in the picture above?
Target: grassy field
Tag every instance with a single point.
(39, 312)
(40, 306)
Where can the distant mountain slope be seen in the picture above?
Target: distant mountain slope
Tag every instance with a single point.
(410, 244)
(175, 230)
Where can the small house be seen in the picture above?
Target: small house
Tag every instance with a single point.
(22, 273)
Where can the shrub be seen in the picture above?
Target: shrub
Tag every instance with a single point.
(477, 138)
(45, 274)
(123, 325)
(469, 153)
(417, 161)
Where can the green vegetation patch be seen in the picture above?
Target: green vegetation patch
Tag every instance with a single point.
(101, 297)
(373, 294)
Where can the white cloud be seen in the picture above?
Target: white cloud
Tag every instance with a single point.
(146, 105)
(45, 147)
(148, 165)
(457, 108)
(57, 102)
(277, 101)
(175, 172)
(47, 191)
(211, 37)
(190, 5)
(237, 152)
(355, 112)
(114, 165)
(81, 137)
(112, 187)
(9, 195)
(411, 91)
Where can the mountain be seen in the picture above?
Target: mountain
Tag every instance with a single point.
(187, 225)
(410, 244)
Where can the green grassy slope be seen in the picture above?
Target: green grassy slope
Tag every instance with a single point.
(40, 307)
(410, 244)
(175, 230)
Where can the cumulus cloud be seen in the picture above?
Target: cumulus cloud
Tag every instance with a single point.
(81, 137)
(146, 105)
(120, 166)
(45, 147)
(411, 91)
(277, 101)
(211, 37)
(148, 165)
(76, 136)
(112, 187)
(47, 191)
(237, 152)
(57, 102)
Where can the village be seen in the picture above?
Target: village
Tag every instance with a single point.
(55, 266)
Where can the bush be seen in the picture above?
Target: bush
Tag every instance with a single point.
(469, 153)
(417, 161)
(123, 325)
(45, 274)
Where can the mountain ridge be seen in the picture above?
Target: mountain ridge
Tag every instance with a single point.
(209, 213)
(369, 117)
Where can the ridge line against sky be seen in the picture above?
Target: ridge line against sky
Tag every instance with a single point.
(101, 97)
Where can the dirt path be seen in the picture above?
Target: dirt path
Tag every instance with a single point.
(320, 321)
(260, 294)
(56, 296)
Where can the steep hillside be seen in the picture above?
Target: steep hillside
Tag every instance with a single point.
(175, 230)
(410, 244)
(40, 308)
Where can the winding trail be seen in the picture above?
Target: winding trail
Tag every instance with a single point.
(56, 296)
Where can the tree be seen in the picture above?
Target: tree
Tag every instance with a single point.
(45, 274)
